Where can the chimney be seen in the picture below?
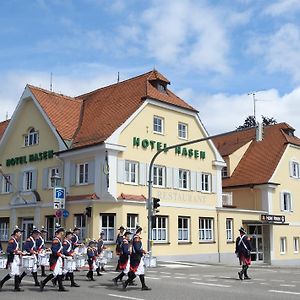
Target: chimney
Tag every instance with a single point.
(259, 132)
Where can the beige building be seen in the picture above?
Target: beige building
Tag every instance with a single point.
(101, 144)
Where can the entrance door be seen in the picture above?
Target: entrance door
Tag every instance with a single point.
(257, 245)
(27, 226)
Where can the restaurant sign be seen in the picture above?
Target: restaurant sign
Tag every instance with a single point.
(21, 160)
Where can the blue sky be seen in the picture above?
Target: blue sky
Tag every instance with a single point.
(213, 52)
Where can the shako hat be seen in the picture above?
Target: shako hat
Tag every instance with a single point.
(43, 229)
(17, 229)
(121, 227)
(242, 230)
(58, 228)
(35, 230)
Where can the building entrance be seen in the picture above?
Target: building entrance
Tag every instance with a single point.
(255, 232)
(27, 226)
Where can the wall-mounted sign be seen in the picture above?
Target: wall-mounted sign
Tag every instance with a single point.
(154, 145)
(59, 198)
(21, 160)
(273, 219)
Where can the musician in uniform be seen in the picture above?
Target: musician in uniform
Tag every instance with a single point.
(68, 252)
(31, 250)
(56, 260)
(40, 245)
(92, 256)
(124, 263)
(137, 266)
(14, 254)
(119, 241)
(243, 252)
(100, 248)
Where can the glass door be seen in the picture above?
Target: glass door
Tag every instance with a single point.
(257, 245)
(27, 226)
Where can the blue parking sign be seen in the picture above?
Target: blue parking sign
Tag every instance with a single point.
(59, 194)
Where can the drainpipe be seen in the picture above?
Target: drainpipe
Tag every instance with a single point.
(218, 237)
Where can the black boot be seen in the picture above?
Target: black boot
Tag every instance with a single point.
(66, 277)
(61, 288)
(119, 277)
(17, 284)
(241, 273)
(36, 282)
(43, 271)
(246, 277)
(73, 283)
(44, 282)
(131, 277)
(98, 272)
(22, 276)
(144, 287)
(6, 278)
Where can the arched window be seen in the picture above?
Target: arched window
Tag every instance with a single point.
(31, 138)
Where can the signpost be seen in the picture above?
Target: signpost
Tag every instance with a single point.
(59, 198)
(273, 219)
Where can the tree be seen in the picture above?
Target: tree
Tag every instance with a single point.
(251, 122)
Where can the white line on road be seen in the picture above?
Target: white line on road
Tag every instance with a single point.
(155, 278)
(179, 277)
(212, 284)
(165, 276)
(124, 297)
(165, 273)
(150, 271)
(277, 280)
(258, 279)
(186, 263)
(288, 285)
(180, 274)
(283, 292)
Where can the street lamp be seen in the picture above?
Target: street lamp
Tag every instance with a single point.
(55, 180)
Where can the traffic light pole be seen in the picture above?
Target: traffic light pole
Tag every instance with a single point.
(150, 182)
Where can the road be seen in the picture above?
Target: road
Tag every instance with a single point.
(175, 281)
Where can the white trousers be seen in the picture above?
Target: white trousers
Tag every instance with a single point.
(58, 270)
(15, 266)
(141, 268)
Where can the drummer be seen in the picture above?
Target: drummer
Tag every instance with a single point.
(75, 241)
(92, 255)
(56, 260)
(40, 246)
(119, 241)
(68, 252)
(13, 259)
(31, 251)
(100, 248)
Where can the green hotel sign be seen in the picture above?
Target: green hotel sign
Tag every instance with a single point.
(154, 145)
(21, 160)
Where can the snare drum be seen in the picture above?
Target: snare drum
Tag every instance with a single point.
(108, 255)
(44, 259)
(3, 262)
(80, 261)
(27, 261)
(70, 264)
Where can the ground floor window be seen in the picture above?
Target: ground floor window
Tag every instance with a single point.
(183, 229)
(159, 229)
(4, 229)
(132, 221)
(296, 244)
(229, 230)
(107, 222)
(206, 229)
(282, 245)
(80, 222)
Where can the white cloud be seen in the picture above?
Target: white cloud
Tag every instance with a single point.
(282, 8)
(280, 51)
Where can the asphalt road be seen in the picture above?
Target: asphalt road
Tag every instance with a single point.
(174, 281)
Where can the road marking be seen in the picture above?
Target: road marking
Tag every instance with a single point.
(155, 278)
(179, 277)
(180, 274)
(283, 292)
(263, 283)
(124, 297)
(186, 263)
(149, 271)
(174, 266)
(258, 279)
(225, 277)
(212, 284)
(277, 280)
(288, 285)
(165, 276)
(165, 273)
(193, 278)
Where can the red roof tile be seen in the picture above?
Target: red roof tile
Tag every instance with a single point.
(82, 197)
(261, 158)
(132, 197)
(3, 126)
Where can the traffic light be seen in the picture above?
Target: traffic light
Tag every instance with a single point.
(156, 204)
(88, 211)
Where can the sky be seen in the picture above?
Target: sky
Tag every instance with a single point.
(214, 52)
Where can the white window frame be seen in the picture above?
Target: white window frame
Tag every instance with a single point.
(52, 172)
(206, 229)
(132, 222)
(131, 175)
(80, 222)
(295, 169)
(206, 182)
(6, 185)
(4, 229)
(27, 180)
(31, 138)
(286, 203)
(225, 172)
(159, 176)
(184, 179)
(283, 245)
(158, 128)
(160, 231)
(182, 131)
(296, 244)
(109, 231)
(184, 229)
(229, 230)
(82, 173)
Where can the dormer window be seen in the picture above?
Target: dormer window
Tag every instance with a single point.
(31, 138)
(161, 87)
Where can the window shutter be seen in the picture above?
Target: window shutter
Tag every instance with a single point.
(291, 169)
(45, 181)
(143, 174)
(34, 179)
(72, 174)
(193, 181)
(12, 180)
(121, 171)
(199, 181)
(214, 184)
(169, 178)
(1, 186)
(281, 201)
(176, 178)
(91, 171)
(21, 176)
(291, 202)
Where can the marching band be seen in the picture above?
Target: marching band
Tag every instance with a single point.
(67, 254)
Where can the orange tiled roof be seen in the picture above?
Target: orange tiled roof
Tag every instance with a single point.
(261, 158)
(3, 126)
(132, 197)
(82, 197)
(91, 118)
(63, 111)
